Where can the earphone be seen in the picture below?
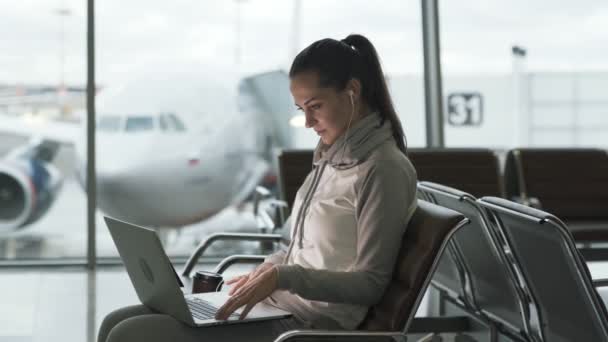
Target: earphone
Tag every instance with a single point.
(351, 94)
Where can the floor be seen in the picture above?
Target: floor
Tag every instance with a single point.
(65, 305)
(68, 305)
(62, 305)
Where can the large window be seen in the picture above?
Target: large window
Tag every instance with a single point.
(522, 73)
(193, 104)
(42, 95)
(217, 71)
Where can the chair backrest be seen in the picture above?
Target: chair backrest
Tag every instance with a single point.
(491, 281)
(568, 306)
(294, 166)
(571, 183)
(475, 171)
(423, 243)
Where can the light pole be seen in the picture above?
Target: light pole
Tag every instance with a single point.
(61, 90)
(522, 124)
(62, 13)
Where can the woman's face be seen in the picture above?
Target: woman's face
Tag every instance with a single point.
(327, 111)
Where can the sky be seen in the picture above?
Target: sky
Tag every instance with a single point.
(138, 37)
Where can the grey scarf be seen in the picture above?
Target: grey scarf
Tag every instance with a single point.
(349, 150)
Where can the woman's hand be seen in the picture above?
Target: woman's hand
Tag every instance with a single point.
(242, 280)
(252, 292)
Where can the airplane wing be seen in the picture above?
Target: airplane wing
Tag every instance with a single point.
(37, 127)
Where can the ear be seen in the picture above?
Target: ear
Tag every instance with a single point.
(354, 85)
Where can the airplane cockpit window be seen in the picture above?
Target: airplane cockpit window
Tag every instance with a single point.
(177, 123)
(164, 124)
(108, 123)
(139, 124)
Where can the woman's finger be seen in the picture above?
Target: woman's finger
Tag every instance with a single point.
(247, 308)
(237, 286)
(235, 279)
(231, 306)
(248, 285)
(257, 271)
(224, 311)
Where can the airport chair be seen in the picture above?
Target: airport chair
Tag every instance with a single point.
(492, 287)
(570, 183)
(475, 171)
(425, 240)
(569, 308)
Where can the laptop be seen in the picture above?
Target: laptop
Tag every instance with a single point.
(158, 286)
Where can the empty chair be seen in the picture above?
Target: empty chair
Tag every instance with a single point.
(294, 166)
(490, 279)
(475, 171)
(569, 308)
(570, 183)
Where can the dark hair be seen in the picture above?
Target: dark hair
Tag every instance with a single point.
(337, 62)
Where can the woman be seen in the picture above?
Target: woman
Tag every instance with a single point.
(348, 216)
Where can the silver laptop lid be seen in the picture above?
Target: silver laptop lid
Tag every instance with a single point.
(149, 268)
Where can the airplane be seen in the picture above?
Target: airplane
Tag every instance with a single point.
(171, 151)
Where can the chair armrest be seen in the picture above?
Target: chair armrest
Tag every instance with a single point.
(602, 282)
(420, 325)
(341, 335)
(259, 194)
(278, 203)
(202, 247)
(238, 259)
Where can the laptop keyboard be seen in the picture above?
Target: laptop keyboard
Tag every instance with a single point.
(203, 310)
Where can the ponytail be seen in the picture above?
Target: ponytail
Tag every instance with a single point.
(375, 92)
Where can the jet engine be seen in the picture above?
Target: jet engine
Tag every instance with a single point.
(28, 188)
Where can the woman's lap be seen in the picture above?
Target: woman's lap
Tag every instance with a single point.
(138, 323)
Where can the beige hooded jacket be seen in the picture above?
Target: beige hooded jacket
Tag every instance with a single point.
(347, 222)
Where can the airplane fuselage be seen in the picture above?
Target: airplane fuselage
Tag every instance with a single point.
(163, 179)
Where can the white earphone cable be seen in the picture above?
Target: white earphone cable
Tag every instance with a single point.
(352, 105)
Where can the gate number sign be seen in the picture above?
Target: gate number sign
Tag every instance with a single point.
(465, 109)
